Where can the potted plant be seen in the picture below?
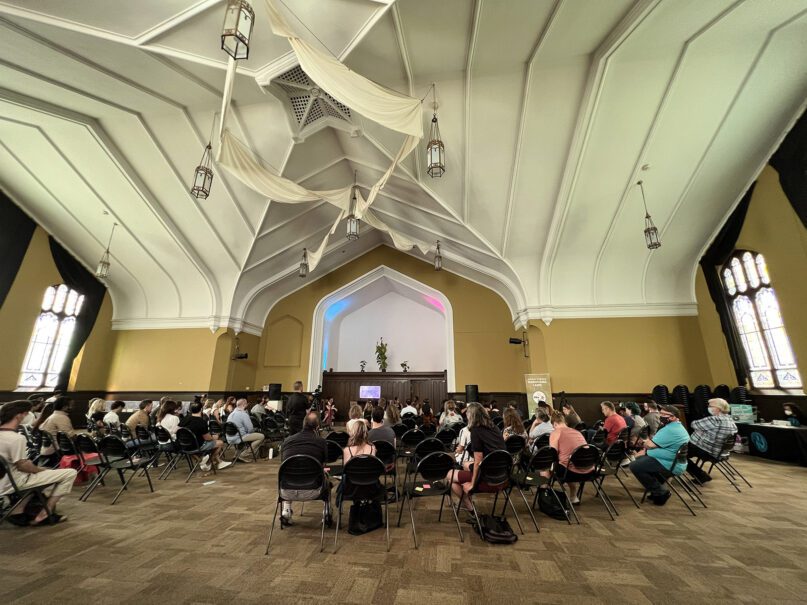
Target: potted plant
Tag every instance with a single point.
(381, 355)
(362, 363)
(405, 366)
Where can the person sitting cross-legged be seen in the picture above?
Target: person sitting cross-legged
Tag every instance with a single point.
(709, 436)
(653, 463)
(240, 418)
(309, 443)
(211, 446)
(27, 475)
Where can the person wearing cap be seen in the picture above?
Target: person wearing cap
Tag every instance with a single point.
(653, 463)
(709, 434)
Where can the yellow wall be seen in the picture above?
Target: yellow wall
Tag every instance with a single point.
(91, 367)
(482, 325)
(772, 228)
(619, 355)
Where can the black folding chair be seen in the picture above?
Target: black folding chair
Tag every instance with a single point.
(167, 446)
(236, 441)
(334, 454)
(541, 441)
(19, 495)
(670, 479)
(409, 422)
(68, 448)
(214, 427)
(399, 430)
(433, 470)
(117, 457)
(447, 437)
(361, 481)
(339, 437)
(428, 429)
(609, 466)
(421, 450)
(493, 477)
(584, 456)
(516, 445)
(386, 452)
(189, 449)
(302, 473)
(539, 476)
(721, 463)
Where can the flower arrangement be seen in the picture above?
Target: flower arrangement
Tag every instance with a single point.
(381, 354)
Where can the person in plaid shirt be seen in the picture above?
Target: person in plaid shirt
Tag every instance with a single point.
(708, 436)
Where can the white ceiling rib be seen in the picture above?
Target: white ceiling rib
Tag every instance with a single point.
(548, 109)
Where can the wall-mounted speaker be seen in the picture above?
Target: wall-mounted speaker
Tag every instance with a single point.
(274, 392)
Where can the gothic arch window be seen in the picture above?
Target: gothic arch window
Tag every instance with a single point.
(50, 341)
(758, 322)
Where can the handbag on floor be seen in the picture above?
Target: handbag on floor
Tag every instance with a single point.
(553, 505)
(495, 530)
(365, 516)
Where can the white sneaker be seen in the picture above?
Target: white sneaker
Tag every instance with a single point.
(205, 467)
(223, 464)
(205, 460)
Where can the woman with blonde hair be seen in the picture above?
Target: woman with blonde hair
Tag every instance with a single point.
(96, 412)
(449, 415)
(358, 443)
(391, 415)
(355, 414)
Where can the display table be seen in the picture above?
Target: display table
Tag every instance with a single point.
(784, 443)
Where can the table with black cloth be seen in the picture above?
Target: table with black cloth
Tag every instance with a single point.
(783, 443)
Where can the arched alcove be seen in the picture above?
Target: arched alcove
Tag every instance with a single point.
(415, 320)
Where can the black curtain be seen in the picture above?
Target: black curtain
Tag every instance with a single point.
(16, 230)
(714, 258)
(790, 161)
(82, 281)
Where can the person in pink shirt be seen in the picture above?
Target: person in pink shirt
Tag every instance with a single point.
(614, 423)
(565, 440)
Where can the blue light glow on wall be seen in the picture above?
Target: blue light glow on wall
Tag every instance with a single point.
(331, 313)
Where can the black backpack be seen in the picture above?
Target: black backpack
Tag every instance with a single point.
(365, 516)
(548, 503)
(495, 530)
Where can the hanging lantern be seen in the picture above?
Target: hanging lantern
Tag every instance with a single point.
(438, 258)
(435, 150)
(304, 264)
(651, 238)
(352, 221)
(238, 21)
(102, 271)
(203, 177)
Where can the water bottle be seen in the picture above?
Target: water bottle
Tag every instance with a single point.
(271, 453)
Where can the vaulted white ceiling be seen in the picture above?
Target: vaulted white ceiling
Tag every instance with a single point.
(549, 110)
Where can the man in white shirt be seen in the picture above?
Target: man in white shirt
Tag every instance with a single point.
(111, 417)
(14, 450)
(409, 409)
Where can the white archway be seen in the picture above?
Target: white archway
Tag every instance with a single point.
(398, 281)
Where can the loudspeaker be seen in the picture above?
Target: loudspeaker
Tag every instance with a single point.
(274, 392)
(471, 393)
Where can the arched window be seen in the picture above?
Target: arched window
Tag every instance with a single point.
(758, 322)
(50, 341)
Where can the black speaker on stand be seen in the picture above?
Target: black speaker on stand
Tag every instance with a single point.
(471, 393)
(274, 392)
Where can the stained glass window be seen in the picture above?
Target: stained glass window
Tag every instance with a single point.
(50, 341)
(758, 321)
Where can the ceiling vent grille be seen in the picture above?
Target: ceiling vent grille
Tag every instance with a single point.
(308, 102)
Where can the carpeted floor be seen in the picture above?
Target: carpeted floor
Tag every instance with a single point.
(204, 542)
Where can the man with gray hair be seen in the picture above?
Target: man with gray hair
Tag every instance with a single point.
(240, 418)
(709, 434)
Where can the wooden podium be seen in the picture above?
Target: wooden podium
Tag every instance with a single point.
(344, 387)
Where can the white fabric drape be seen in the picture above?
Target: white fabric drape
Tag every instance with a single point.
(388, 108)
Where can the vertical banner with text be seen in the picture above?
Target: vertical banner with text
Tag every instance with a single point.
(539, 388)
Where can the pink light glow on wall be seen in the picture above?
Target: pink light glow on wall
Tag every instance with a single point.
(435, 303)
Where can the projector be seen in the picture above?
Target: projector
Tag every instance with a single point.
(238, 356)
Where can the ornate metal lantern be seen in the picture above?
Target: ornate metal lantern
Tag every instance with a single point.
(651, 238)
(102, 271)
(304, 264)
(238, 21)
(438, 258)
(203, 177)
(435, 150)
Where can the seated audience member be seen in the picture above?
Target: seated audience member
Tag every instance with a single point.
(652, 418)
(309, 443)
(449, 416)
(541, 425)
(614, 423)
(513, 425)
(572, 417)
(708, 436)
(461, 452)
(379, 430)
(793, 414)
(427, 415)
(211, 446)
(96, 412)
(639, 423)
(218, 407)
(484, 439)
(565, 440)
(355, 414)
(367, 412)
(622, 410)
(167, 417)
(358, 443)
(229, 408)
(14, 450)
(391, 415)
(111, 418)
(37, 403)
(653, 463)
(58, 421)
(142, 417)
(409, 409)
(240, 418)
(47, 412)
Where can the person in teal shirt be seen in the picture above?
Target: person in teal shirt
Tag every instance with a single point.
(653, 463)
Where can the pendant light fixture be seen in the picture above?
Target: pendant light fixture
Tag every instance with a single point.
(304, 264)
(435, 150)
(352, 221)
(102, 271)
(650, 231)
(438, 258)
(203, 176)
(237, 29)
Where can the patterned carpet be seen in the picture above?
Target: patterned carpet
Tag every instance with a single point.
(204, 543)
